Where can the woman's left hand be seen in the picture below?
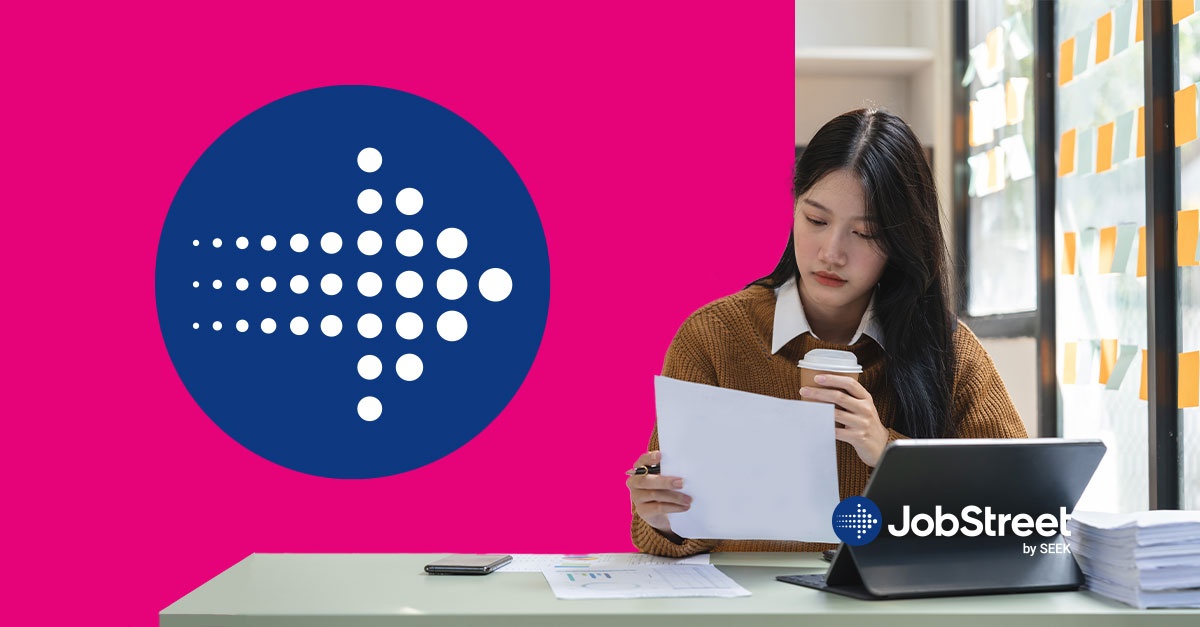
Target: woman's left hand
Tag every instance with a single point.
(857, 420)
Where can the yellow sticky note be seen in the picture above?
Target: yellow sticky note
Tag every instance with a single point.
(1141, 267)
(1181, 9)
(1189, 379)
(1014, 99)
(1108, 247)
(1068, 263)
(1185, 115)
(995, 180)
(1108, 359)
(1066, 153)
(1104, 147)
(1141, 133)
(1069, 363)
(995, 47)
(1104, 27)
(1188, 232)
(1066, 61)
(1137, 29)
(1142, 388)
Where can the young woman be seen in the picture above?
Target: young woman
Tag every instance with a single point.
(865, 271)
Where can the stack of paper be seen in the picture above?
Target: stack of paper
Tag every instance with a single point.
(1144, 559)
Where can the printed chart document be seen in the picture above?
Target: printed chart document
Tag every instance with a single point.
(756, 467)
(643, 582)
(536, 563)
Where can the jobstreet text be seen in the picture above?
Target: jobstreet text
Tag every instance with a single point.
(973, 521)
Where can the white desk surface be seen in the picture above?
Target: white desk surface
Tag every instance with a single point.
(370, 590)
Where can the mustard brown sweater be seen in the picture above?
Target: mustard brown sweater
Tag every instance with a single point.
(727, 343)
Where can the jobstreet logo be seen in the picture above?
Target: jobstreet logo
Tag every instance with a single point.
(857, 520)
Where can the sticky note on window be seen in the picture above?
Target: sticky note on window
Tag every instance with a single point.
(991, 105)
(1189, 379)
(1188, 232)
(1180, 9)
(1066, 61)
(1137, 30)
(1108, 359)
(1141, 264)
(1085, 143)
(1014, 99)
(1125, 356)
(1121, 30)
(1126, 234)
(995, 48)
(1083, 43)
(1141, 133)
(1068, 260)
(1066, 153)
(995, 180)
(1017, 156)
(981, 129)
(1144, 387)
(1069, 350)
(1122, 139)
(1185, 115)
(979, 174)
(1108, 248)
(1104, 33)
(1104, 147)
(1018, 38)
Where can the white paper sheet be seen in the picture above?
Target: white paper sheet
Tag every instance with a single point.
(756, 467)
(644, 582)
(536, 563)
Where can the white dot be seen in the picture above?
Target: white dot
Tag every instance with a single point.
(268, 325)
(409, 201)
(409, 367)
(495, 285)
(370, 409)
(409, 326)
(242, 243)
(370, 242)
(369, 325)
(369, 367)
(369, 159)
(452, 326)
(452, 284)
(331, 242)
(299, 242)
(217, 325)
(369, 201)
(216, 242)
(242, 284)
(452, 243)
(268, 284)
(195, 325)
(217, 284)
(299, 325)
(331, 284)
(195, 242)
(409, 284)
(242, 326)
(331, 325)
(409, 243)
(268, 242)
(369, 284)
(195, 284)
(299, 284)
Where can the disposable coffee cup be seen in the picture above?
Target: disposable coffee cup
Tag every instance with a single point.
(826, 361)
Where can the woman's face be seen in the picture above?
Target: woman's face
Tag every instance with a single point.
(839, 261)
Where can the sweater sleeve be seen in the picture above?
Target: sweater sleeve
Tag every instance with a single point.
(981, 402)
(688, 359)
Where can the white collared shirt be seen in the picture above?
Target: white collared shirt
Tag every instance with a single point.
(790, 321)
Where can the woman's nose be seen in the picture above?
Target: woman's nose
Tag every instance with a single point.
(832, 251)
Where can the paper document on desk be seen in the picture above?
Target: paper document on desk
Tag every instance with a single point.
(756, 467)
(644, 582)
(536, 563)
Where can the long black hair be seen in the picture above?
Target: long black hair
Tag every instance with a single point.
(912, 302)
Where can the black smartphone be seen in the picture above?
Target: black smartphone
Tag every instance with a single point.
(467, 564)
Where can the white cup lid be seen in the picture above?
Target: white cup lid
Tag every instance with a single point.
(830, 361)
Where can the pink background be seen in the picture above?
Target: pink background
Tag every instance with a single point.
(655, 140)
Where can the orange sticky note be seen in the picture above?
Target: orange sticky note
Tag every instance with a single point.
(1014, 99)
(1069, 363)
(1108, 247)
(1066, 61)
(1068, 263)
(1066, 153)
(1141, 132)
(1137, 29)
(1108, 359)
(995, 159)
(1185, 115)
(995, 47)
(1141, 267)
(1104, 27)
(1181, 9)
(1188, 232)
(1104, 147)
(1144, 388)
(1189, 379)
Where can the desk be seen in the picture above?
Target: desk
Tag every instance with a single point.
(367, 590)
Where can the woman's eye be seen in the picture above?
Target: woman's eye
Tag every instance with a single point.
(814, 221)
(864, 235)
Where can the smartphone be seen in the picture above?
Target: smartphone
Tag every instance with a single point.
(467, 564)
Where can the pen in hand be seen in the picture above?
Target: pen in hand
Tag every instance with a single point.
(652, 469)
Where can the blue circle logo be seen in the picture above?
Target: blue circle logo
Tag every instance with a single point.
(857, 520)
(352, 282)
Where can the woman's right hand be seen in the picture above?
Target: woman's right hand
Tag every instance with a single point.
(655, 496)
